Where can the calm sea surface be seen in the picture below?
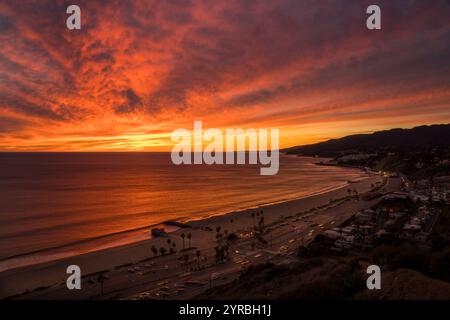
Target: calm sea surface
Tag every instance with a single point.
(52, 200)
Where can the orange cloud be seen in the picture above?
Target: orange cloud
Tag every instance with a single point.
(138, 70)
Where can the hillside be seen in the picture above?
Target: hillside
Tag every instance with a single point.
(328, 279)
(420, 153)
(418, 137)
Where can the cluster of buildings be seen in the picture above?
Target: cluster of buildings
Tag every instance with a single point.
(412, 216)
(436, 190)
(419, 226)
(369, 226)
(432, 195)
(440, 195)
(359, 234)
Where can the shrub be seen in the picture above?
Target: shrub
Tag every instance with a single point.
(440, 265)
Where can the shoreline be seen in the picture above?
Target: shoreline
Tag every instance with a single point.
(132, 236)
(267, 204)
(23, 279)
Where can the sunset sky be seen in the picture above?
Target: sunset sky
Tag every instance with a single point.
(137, 70)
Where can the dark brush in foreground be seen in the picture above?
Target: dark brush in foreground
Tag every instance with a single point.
(412, 268)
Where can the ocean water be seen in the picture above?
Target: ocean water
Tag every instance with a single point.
(78, 202)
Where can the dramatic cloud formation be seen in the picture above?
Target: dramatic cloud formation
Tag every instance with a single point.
(139, 69)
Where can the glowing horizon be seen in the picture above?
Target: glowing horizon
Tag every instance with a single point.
(137, 71)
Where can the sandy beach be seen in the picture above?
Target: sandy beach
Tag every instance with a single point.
(132, 268)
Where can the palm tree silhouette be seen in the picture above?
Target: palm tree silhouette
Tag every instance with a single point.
(101, 279)
(155, 251)
(183, 236)
(189, 236)
(198, 258)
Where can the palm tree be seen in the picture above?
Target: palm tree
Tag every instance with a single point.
(162, 250)
(101, 279)
(169, 242)
(155, 251)
(183, 236)
(198, 258)
(218, 233)
(189, 236)
(261, 224)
